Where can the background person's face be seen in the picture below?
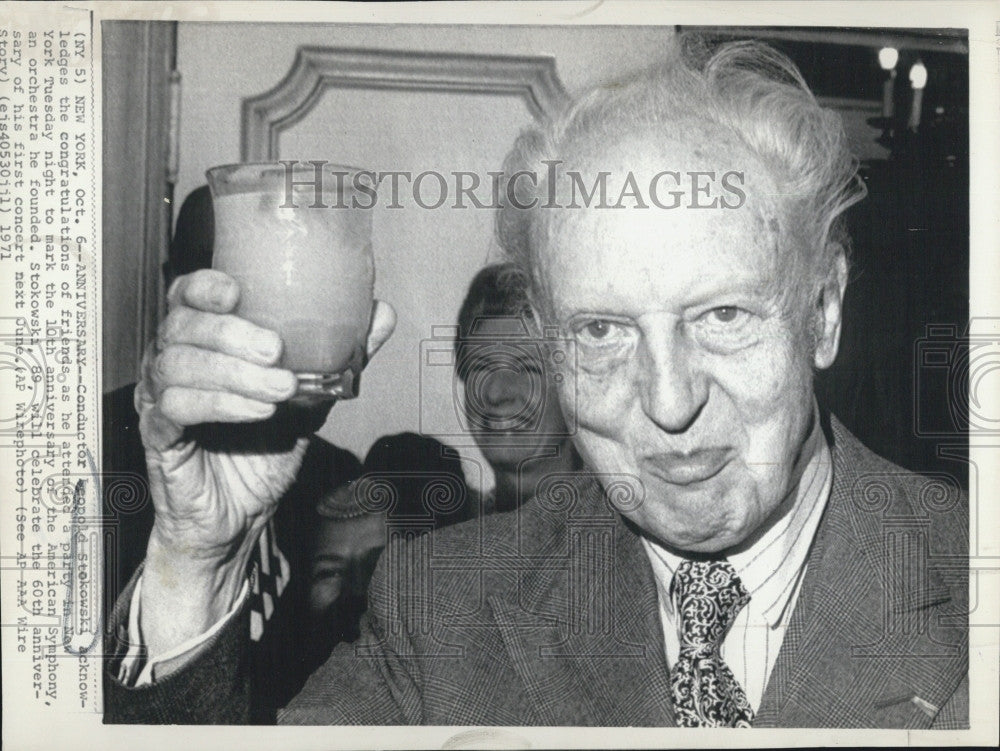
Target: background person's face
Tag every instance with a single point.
(509, 400)
(690, 373)
(343, 559)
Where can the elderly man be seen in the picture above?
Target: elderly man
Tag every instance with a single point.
(730, 556)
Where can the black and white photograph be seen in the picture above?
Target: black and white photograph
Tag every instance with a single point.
(524, 375)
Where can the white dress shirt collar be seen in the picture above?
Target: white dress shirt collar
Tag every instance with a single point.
(772, 566)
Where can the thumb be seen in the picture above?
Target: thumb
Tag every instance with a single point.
(382, 325)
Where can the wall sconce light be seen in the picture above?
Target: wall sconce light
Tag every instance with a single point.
(887, 59)
(918, 80)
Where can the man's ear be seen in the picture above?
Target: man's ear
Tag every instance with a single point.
(830, 310)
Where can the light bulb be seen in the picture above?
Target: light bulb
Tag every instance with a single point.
(888, 57)
(918, 75)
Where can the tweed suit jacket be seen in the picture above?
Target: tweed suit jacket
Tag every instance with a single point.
(549, 616)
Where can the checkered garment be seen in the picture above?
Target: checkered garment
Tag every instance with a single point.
(269, 575)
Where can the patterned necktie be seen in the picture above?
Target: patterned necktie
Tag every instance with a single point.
(708, 596)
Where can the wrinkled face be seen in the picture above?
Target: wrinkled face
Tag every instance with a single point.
(343, 559)
(509, 400)
(692, 370)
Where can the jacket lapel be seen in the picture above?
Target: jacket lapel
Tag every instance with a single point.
(865, 646)
(873, 640)
(585, 636)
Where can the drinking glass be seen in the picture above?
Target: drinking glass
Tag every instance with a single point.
(297, 238)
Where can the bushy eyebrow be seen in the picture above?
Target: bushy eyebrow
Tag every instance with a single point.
(770, 296)
(766, 281)
(761, 293)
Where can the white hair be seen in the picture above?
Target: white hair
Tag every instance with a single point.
(748, 92)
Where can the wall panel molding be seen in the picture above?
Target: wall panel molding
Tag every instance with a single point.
(317, 69)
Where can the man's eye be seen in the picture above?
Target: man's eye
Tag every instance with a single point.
(601, 334)
(725, 314)
(727, 328)
(598, 329)
(327, 573)
(601, 342)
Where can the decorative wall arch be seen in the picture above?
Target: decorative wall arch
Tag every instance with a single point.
(317, 69)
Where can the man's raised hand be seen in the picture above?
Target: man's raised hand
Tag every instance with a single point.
(222, 443)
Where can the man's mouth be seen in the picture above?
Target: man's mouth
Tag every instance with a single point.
(688, 467)
(505, 423)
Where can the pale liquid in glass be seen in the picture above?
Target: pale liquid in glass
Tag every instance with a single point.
(305, 273)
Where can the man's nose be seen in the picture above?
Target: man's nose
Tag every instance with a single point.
(673, 386)
(499, 389)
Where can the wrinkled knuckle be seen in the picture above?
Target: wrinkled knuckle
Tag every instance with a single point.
(221, 329)
(148, 356)
(164, 332)
(155, 370)
(172, 404)
(216, 400)
(141, 398)
(166, 366)
(174, 291)
(185, 363)
(171, 330)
